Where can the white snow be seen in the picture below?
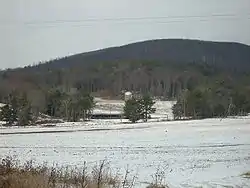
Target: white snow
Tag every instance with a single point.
(128, 93)
(163, 108)
(101, 111)
(208, 153)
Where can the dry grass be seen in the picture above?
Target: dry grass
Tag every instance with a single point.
(13, 175)
(159, 179)
(156, 186)
(246, 175)
(23, 180)
(16, 175)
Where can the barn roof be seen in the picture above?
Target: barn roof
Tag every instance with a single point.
(128, 93)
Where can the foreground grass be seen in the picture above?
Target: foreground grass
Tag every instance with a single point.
(246, 175)
(13, 175)
(28, 175)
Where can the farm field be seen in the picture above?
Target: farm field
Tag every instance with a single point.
(208, 153)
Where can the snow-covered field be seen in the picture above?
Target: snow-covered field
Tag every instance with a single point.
(208, 153)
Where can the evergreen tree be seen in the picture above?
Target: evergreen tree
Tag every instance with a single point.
(7, 115)
(17, 111)
(13, 103)
(24, 111)
(136, 109)
(146, 106)
(177, 110)
(132, 110)
(218, 101)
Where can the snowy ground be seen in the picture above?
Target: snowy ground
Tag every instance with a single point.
(163, 108)
(208, 153)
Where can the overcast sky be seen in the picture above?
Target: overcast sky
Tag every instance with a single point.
(36, 30)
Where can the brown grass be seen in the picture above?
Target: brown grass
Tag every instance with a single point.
(16, 175)
(156, 186)
(246, 175)
(12, 175)
(158, 179)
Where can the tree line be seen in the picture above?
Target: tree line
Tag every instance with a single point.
(219, 100)
(106, 78)
(74, 107)
(201, 89)
(71, 107)
(57, 104)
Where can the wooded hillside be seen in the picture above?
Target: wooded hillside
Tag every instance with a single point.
(160, 67)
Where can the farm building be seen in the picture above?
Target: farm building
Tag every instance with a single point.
(127, 95)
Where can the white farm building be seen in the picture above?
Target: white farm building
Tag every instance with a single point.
(127, 95)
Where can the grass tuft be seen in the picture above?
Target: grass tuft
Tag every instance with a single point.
(246, 175)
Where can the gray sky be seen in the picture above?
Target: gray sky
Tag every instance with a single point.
(35, 30)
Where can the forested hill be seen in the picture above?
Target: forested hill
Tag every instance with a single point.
(222, 54)
(161, 67)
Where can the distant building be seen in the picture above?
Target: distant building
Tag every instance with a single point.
(1, 106)
(106, 116)
(127, 95)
